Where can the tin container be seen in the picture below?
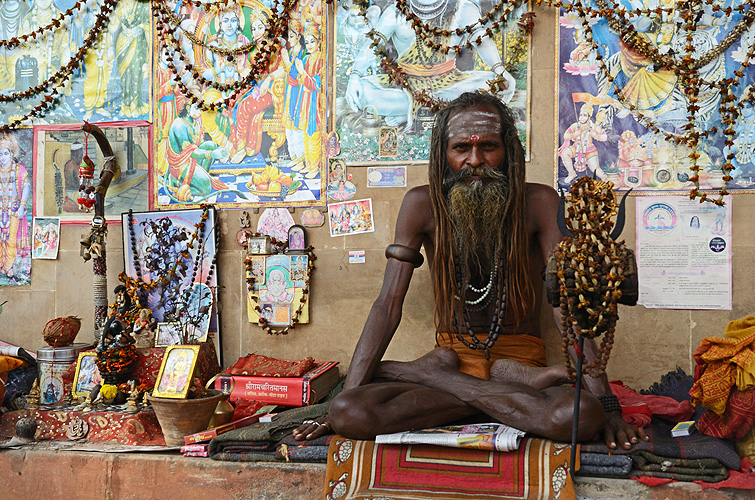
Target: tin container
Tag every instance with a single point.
(53, 362)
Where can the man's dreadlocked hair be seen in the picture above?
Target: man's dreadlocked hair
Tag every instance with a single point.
(513, 245)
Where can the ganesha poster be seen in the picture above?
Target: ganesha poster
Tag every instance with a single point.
(377, 121)
(265, 147)
(89, 69)
(621, 115)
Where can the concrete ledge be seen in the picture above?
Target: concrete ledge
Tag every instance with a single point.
(29, 473)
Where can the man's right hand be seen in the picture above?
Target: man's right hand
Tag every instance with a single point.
(312, 429)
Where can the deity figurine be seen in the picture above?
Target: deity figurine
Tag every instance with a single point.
(144, 329)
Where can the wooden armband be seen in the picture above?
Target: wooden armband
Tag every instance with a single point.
(404, 254)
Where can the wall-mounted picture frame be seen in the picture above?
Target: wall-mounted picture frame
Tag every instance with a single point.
(59, 151)
(176, 370)
(297, 238)
(45, 238)
(87, 375)
(168, 334)
(259, 245)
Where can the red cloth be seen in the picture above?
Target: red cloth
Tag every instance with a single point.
(257, 365)
(662, 406)
(246, 408)
(736, 421)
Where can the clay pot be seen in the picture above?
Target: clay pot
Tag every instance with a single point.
(181, 417)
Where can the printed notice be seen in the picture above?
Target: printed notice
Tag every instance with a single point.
(683, 253)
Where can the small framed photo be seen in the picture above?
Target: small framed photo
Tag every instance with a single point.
(87, 375)
(45, 238)
(276, 313)
(297, 238)
(168, 334)
(242, 237)
(258, 269)
(176, 371)
(259, 245)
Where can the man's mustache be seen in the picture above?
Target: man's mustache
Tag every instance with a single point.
(453, 177)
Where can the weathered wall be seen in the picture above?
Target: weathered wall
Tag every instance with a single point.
(649, 342)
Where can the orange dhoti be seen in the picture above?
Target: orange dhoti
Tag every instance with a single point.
(525, 349)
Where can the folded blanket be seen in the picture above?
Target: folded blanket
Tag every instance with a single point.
(661, 443)
(264, 366)
(598, 464)
(707, 469)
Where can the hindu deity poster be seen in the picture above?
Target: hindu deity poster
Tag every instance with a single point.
(89, 70)
(176, 251)
(16, 194)
(623, 112)
(378, 121)
(281, 294)
(60, 152)
(265, 147)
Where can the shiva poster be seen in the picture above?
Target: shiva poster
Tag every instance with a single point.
(16, 189)
(282, 295)
(89, 69)
(176, 251)
(265, 148)
(62, 192)
(380, 122)
(626, 114)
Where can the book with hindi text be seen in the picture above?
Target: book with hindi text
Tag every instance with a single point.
(491, 436)
(284, 391)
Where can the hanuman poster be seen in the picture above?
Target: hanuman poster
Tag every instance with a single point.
(265, 147)
(378, 121)
(622, 116)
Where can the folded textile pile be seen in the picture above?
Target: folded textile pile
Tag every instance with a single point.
(258, 365)
(258, 442)
(599, 464)
(291, 450)
(708, 470)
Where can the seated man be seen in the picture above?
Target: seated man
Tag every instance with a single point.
(485, 231)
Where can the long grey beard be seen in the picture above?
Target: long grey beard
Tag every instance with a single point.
(477, 214)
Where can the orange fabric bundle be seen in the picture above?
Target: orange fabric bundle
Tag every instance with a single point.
(726, 362)
(526, 349)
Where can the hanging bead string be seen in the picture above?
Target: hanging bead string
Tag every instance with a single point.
(62, 75)
(42, 31)
(494, 330)
(261, 60)
(590, 268)
(279, 247)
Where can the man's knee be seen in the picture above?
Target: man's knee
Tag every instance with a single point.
(353, 417)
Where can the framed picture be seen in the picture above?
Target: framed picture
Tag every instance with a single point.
(160, 243)
(351, 217)
(242, 237)
(283, 287)
(258, 268)
(276, 313)
(260, 245)
(87, 375)
(59, 152)
(168, 334)
(297, 237)
(45, 238)
(176, 370)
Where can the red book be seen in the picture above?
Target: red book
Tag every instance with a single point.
(211, 433)
(285, 391)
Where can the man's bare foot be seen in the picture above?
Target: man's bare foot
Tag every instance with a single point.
(508, 370)
(420, 370)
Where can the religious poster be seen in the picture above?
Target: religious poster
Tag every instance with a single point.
(265, 147)
(16, 188)
(351, 217)
(89, 69)
(176, 250)
(627, 115)
(683, 253)
(279, 295)
(60, 157)
(45, 238)
(379, 122)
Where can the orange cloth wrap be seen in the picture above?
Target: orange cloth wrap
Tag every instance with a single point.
(526, 349)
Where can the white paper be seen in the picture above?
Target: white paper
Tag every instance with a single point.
(683, 253)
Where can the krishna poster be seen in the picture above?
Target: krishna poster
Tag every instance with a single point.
(264, 148)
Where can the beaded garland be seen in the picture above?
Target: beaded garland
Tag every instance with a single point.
(279, 247)
(591, 268)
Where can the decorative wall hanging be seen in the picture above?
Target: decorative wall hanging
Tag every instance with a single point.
(88, 63)
(246, 129)
(170, 261)
(275, 222)
(45, 238)
(312, 217)
(376, 92)
(278, 284)
(657, 100)
(386, 177)
(350, 217)
(16, 178)
(59, 153)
